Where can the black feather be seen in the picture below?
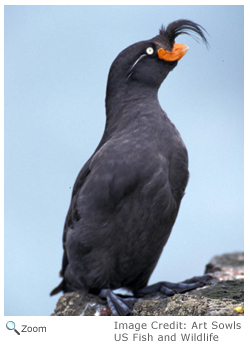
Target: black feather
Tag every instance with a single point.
(183, 26)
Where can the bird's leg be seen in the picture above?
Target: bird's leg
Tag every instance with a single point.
(118, 306)
(169, 288)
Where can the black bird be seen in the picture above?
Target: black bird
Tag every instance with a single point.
(127, 196)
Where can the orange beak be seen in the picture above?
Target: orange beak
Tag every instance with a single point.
(178, 51)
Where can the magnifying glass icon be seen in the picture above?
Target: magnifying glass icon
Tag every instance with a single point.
(11, 326)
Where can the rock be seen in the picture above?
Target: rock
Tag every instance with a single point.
(227, 267)
(223, 294)
(77, 304)
(219, 298)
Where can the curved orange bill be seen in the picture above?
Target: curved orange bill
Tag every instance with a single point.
(178, 51)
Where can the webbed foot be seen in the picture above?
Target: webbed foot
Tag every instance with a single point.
(169, 288)
(119, 306)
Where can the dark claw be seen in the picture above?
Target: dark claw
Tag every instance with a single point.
(203, 279)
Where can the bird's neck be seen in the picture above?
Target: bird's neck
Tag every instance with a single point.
(130, 101)
(126, 106)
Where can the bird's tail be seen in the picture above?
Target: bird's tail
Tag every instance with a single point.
(59, 288)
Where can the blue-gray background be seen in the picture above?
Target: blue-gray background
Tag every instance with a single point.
(57, 60)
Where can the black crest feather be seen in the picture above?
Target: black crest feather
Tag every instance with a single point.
(184, 26)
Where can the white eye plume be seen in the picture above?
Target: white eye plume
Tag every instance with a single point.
(150, 50)
(131, 69)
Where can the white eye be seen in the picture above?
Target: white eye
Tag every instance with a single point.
(150, 50)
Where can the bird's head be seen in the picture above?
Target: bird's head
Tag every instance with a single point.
(149, 62)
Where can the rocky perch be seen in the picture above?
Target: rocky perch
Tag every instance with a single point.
(223, 296)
